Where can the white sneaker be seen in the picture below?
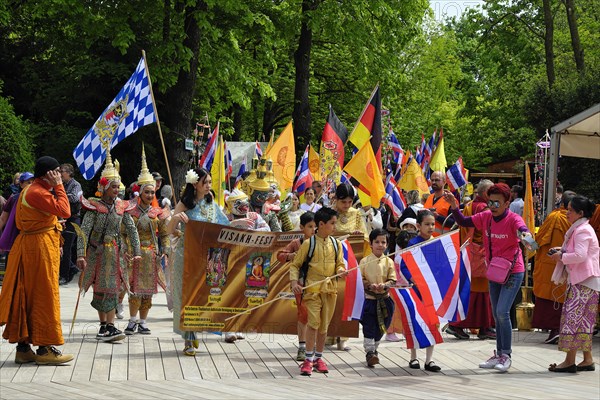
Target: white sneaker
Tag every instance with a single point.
(491, 362)
(119, 313)
(504, 363)
(239, 336)
(229, 337)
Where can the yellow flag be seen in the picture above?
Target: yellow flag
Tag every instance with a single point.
(438, 160)
(283, 155)
(217, 172)
(528, 211)
(413, 178)
(314, 164)
(363, 167)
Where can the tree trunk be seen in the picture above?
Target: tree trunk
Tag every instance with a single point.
(549, 42)
(575, 43)
(178, 100)
(301, 113)
(237, 123)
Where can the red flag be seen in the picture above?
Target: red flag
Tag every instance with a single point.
(334, 136)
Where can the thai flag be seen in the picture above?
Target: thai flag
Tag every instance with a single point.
(258, 151)
(418, 320)
(420, 153)
(396, 148)
(354, 296)
(344, 178)
(228, 162)
(241, 173)
(440, 275)
(456, 175)
(304, 178)
(393, 197)
(429, 149)
(208, 156)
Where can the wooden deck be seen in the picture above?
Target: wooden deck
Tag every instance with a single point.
(264, 366)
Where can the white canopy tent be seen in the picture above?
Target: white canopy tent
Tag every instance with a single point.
(579, 136)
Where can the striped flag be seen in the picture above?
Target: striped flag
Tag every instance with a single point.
(429, 150)
(418, 320)
(355, 292)
(208, 156)
(396, 148)
(228, 162)
(456, 175)
(304, 179)
(258, 151)
(131, 109)
(368, 128)
(393, 197)
(241, 172)
(440, 275)
(420, 153)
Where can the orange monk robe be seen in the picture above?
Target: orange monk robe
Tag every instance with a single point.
(442, 208)
(478, 284)
(29, 301)
(551, 234)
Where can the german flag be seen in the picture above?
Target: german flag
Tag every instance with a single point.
(369, 126)
(334, 137)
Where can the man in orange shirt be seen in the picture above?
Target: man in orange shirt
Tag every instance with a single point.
(29, 302)
(436, 203)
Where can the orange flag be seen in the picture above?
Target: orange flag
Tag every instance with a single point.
(528, 210)
(363, 167)
(413, 178)
(283, 155)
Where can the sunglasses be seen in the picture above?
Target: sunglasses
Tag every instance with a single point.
(495, 204)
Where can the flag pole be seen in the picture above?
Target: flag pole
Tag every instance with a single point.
(162, 140)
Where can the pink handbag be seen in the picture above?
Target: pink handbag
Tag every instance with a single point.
(498, 267)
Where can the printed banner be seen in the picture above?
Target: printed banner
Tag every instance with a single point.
(229, 270)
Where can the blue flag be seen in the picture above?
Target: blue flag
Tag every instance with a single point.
(129, 111)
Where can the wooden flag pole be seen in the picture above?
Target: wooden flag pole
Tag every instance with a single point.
(162, 140)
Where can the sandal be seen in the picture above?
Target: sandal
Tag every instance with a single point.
(431, 367)
(189, 351)
(570, 368)
(414, 364)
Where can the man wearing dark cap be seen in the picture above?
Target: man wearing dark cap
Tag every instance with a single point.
(73, 190)
(29, 301)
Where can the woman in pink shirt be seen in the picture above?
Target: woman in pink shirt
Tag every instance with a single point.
(501, 229)
(578, 263)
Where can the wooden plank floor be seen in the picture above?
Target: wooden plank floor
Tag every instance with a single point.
(153, 366)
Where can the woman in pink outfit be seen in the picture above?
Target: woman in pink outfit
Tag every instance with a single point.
(577, 262)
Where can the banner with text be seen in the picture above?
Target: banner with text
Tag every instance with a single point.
(229, 270)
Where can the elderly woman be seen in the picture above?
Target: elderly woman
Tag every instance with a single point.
(502, 230)
(578, 263)
(196, 204)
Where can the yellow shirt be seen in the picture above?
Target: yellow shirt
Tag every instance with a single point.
(376, 270)
(323, 264)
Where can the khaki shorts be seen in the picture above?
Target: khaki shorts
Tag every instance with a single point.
(320, 307)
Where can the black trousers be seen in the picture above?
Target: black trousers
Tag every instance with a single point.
(69, 236)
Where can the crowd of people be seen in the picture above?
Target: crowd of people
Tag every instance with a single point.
(133, 244)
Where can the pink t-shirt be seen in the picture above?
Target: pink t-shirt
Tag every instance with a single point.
(505, 242)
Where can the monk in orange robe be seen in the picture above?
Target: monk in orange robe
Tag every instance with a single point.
(29, 302)
(548, 296)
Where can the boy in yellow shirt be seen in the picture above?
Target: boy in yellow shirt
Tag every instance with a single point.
(327, 260)
(378, 275)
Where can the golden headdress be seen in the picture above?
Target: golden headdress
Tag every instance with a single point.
(110, 173)
(145, 177)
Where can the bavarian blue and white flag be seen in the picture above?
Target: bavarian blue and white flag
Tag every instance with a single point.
(129, 111)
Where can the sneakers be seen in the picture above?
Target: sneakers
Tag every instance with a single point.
(101, 332)
(486, 334)
(372, 358)
(306, 368)
(552, 337)
(491, 362)
(230, 337)
(24, 357)
(240, 336)
(119, 311)
(504, 363)
(392, 337)
(130, 330)
(320, 366)
(143, 330)
(458, 333)
(301, 356)
(49, 355)
(111, 334)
